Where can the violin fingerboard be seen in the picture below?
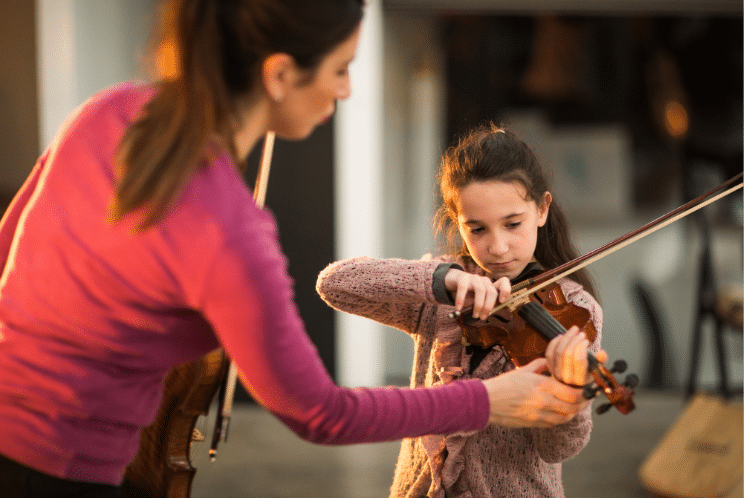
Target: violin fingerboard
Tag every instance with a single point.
(541, 320)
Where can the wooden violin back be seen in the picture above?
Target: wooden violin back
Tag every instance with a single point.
(162, 467)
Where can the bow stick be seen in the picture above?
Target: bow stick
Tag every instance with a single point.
(228, 389)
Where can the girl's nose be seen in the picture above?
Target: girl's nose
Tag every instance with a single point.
(498, 245)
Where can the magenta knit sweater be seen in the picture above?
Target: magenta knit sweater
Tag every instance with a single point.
(92, 316)
(487, 463)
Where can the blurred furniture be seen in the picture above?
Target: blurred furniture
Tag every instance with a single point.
(658, 361)
(723, 309)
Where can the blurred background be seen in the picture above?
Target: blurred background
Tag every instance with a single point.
(635, 106)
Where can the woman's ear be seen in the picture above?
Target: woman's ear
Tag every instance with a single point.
(543, 208)
(277, 75)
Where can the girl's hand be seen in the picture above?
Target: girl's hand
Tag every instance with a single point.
(524, 397)
(476, 291)
(566, 357)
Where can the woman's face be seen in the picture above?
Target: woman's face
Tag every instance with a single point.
(499, 225)
(309, 104)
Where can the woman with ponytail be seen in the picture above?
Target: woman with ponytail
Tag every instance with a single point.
(135, 245)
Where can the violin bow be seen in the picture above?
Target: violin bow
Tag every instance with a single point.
(230, 383)
(548, 277)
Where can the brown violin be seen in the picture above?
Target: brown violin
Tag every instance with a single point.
(525, 328)
(538, 311)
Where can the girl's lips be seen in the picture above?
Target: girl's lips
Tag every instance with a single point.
(501, 265)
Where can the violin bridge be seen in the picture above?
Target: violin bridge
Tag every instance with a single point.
(517, 302)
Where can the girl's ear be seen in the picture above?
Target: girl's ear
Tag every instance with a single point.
(543, 208)
(277, 73)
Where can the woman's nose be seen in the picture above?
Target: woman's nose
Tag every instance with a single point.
(344, 90)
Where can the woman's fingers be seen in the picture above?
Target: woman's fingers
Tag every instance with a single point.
(525, 398)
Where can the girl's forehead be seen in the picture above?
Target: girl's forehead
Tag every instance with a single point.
(484, 200)
(494, 188)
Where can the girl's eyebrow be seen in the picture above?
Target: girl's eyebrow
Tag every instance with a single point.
(478, 222)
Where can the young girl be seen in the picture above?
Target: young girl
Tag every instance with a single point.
(496, 197)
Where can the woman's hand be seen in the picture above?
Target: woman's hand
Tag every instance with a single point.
(524, 397)
(476, 291)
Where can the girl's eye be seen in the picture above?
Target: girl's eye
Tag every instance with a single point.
(514, 224)
(476, 230)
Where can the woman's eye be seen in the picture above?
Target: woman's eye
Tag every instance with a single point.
(514, 224)
(476, 230)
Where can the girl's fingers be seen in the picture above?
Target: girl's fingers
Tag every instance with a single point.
(503, 288)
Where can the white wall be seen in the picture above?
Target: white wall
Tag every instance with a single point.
(84, 46)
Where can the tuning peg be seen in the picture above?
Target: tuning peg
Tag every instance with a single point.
(619, 366)
(590, 391)
(631, 380)
(603, 408)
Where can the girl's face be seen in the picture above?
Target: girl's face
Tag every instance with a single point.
(499, 225)
(309, 104)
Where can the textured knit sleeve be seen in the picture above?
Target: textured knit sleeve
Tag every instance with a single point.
(565, 441)
(389, 291)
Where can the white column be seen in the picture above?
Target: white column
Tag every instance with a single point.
(57, 78)
(85, 46)
(358, 186)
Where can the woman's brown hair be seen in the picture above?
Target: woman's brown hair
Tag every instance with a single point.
(219, 46)
(490, 153)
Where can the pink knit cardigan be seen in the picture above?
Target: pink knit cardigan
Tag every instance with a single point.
(493, 462)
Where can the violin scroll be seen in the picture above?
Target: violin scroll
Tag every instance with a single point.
(618, 395)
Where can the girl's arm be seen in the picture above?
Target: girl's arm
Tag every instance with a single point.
(565, 441)
(389, 291)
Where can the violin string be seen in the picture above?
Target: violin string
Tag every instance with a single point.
(547, 324)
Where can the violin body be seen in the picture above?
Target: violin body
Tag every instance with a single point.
(162, 467)
(524, 329)
(521, 341)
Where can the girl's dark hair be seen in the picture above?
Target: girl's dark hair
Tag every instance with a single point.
(219, 47)
(488, 153)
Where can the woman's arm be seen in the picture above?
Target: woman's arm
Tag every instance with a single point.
(247, 297)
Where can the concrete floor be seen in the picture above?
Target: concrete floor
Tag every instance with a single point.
(263, 459)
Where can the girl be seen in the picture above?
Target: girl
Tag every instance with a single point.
(134, 245)
(496, 198)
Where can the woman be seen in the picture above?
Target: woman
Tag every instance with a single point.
(134, 246)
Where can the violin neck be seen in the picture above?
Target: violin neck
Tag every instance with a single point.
(546, 324)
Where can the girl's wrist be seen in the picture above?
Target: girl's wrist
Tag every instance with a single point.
(438, 286)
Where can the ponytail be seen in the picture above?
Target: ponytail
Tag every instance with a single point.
(159, 152)
(218, 48)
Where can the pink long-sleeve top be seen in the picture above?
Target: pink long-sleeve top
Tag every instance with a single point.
(93, 315)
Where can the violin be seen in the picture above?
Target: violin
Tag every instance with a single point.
(538, 311)
(162, 467)
(524, 329)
